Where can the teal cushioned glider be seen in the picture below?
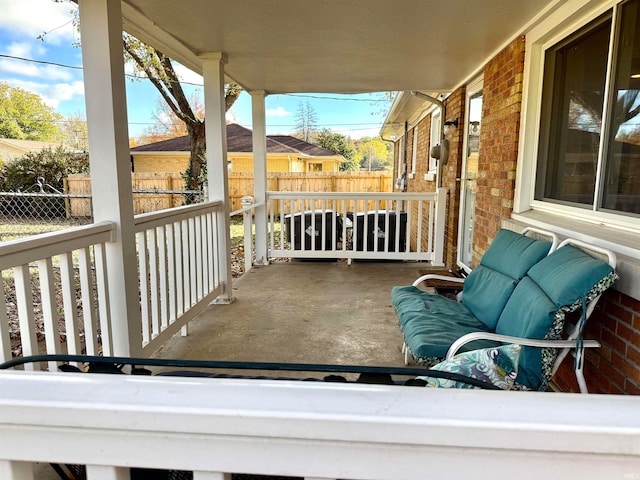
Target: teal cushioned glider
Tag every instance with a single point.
(561, 280)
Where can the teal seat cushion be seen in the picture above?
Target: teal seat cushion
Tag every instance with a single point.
(506, 261)
(562, 280)
(431, 323)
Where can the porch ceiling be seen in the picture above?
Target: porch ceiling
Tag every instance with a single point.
(340, 46)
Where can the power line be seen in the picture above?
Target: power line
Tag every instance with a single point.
(137, 77)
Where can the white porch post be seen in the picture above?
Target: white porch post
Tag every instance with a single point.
(260, 173)
(217, 171)
(102, 57)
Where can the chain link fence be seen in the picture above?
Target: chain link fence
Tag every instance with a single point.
(44, 209)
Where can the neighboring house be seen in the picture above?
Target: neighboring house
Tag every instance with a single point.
(543, 134)
(284, 154)
(11, 148)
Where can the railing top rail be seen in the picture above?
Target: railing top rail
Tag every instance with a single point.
(356, 195)
(144, 221)
(318, 413)
(246, 209)
(25, 250)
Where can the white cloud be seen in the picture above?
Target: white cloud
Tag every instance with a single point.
(25, 49)
(186, 75)
(277, 112)
(28, 69)
(52, 94)
(30, 18)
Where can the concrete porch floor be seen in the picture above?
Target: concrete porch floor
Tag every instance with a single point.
(303, 312)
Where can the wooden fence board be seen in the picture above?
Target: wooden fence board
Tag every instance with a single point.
(240, 185)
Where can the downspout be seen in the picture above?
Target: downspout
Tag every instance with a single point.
(442, 106)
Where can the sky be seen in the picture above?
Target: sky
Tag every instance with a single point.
(22, 22)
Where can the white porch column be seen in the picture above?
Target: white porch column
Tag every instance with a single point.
(217, 171)
(260, 173)
(102, 57)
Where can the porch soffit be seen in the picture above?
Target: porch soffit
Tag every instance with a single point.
(337, 46)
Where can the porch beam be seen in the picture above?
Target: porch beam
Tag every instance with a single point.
(260, 173)
(105, 96)
(217, 171)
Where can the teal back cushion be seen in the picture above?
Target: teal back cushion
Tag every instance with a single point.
(505, 262)
(560, 279)
(568, 274)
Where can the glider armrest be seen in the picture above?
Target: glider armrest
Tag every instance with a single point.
(432, 276)
(527, 342)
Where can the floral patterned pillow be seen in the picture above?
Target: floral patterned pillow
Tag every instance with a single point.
(498, 366)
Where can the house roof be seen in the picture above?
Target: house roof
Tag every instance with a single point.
(239, 140)
(340, 46)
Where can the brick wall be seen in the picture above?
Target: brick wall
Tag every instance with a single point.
(160, 163)
(500, 129)
(614, 367)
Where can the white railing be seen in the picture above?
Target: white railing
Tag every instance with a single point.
(178, 277)
(52, 269)
(178, 268)
(310, 429)
(383, 226)
(247, 211)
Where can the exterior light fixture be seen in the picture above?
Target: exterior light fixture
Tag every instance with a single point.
(450, 127)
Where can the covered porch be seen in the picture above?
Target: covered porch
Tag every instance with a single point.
(150, 280)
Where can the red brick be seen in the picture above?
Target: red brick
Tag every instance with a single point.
(613, 340)
(630, 303)
(614, 375)
(628, 334)
(633, 355)
(620, 313)
(631, 388)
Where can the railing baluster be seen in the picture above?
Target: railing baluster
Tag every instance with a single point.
(163, 270)
(26, 317)
(184, 260)
(145, 297)
(102, 287)
(211, 476)
(5, 339)
(88, 304)
(398, 226)
(419, 222)
(432, 209)
(15, 470)
(69, 302)
(193, 282)
(154, 287)
(49, 310)
(407, 232)
(103, 472)
(171, 273)
(197, 228)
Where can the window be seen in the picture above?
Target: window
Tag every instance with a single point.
(589, 150)
(314, 167)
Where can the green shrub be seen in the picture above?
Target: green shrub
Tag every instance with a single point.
(52, 165)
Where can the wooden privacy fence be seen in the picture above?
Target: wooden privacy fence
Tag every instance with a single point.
(241, 184)
(168, 186)
(152, 192)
